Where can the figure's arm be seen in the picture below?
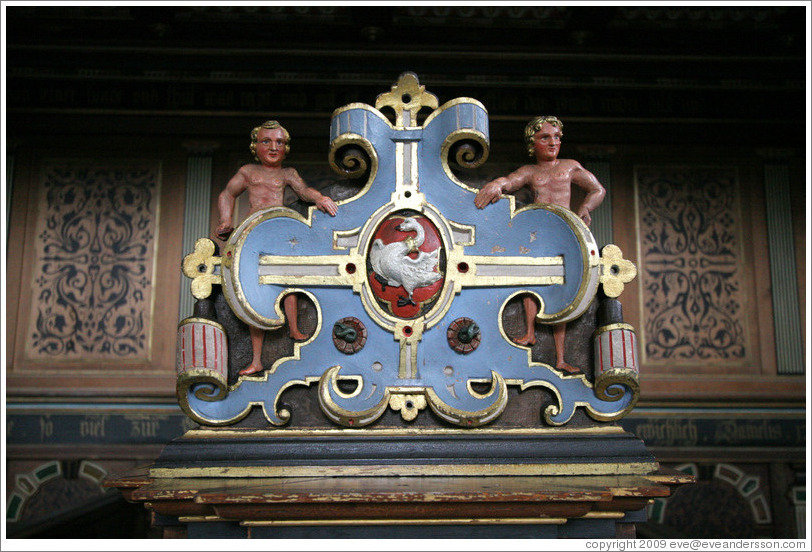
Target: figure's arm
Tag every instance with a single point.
(225, 204)
(323, 203)
(493, 190)
(595, 192)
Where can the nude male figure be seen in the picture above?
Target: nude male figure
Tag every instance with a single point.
(551, 180)
(265, 184)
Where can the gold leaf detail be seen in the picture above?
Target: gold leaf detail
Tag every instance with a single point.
(409, 405)
(407, 95)
(199, 266)
(616, 271)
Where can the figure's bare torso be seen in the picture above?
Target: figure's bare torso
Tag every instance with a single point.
(265, 186)
(552, 183)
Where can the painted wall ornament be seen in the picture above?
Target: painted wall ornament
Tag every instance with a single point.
(409, 281)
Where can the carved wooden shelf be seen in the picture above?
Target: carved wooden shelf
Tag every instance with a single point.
(550, 506)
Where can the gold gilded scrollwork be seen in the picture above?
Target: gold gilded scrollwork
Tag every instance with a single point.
(409, 403)
(216, 387)
(611, 386)
(210, 387)
(199, 266)
(351, 156)
(616, 376)
(467, 148)
(553, 409)
(616, 271)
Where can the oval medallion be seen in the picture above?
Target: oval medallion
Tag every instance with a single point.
(406, 264)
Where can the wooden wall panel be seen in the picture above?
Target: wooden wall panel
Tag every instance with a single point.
(701, 302)
(97, 277)
(91, 296)
(691, 265)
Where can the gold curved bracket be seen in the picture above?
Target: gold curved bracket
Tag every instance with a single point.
(477, 418)
(199, 266)
(328, 382)
(615, 270)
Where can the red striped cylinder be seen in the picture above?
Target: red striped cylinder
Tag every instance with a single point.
(202, 346)
(615, 347)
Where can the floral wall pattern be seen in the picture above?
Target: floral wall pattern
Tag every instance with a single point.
(92, 285)
(690, 259)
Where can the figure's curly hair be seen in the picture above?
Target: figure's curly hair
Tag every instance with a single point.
(270, 125)
(535, 125)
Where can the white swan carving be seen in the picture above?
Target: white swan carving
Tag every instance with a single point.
(392, 262)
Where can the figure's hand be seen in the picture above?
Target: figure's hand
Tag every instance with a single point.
(490, 193)
(585, 216)
(224, 231)
(327, 205)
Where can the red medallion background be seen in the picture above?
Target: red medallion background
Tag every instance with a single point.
(424, 297)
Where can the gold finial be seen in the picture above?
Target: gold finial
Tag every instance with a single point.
(406, 98)
(199, 266)
(616, 272)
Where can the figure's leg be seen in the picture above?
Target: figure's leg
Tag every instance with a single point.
(291, 305)
(559, 334)
(531, 309)
(257, 337)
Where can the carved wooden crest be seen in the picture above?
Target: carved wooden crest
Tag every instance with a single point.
(410, 281)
